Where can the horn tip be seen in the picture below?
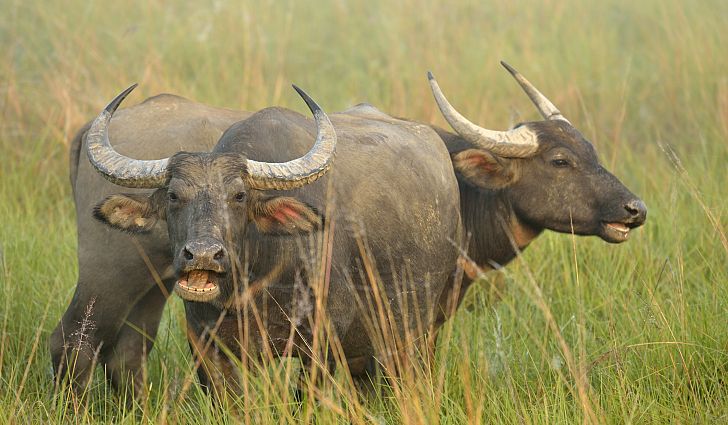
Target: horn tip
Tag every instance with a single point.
(430, 76)
(509, 68)
(312, 105)
(301, 92)
(111, 107)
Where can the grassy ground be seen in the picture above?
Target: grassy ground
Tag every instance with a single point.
(585, 332)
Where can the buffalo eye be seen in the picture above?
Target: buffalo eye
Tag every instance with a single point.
(172, 197)
(560, 163)
(239, 197)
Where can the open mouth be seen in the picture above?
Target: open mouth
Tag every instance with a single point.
(616, 232)
(198, 285)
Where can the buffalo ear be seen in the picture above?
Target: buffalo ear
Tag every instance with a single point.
(483, 169)
(283, 215)
(132, 213)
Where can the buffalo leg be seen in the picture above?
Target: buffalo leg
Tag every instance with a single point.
(125, 362)
(449, 301)
(217, 373)
(106, 292)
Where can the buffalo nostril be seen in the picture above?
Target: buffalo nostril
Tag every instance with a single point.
(203, 253)
(636, 208)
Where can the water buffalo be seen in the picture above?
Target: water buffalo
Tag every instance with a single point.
(114, 314)
(507, 187)
(514, 184)
(390, 193)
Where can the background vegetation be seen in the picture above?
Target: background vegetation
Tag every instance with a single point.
(585, 331)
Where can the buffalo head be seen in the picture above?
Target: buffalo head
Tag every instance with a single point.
(547, 170)
(208, 200)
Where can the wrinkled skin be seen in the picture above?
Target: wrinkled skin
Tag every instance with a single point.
(373, 151)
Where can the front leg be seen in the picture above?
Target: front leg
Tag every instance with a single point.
(216, 371)
(125, 362)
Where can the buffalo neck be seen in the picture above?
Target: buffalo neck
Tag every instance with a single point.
(494, 231)
(496, 234)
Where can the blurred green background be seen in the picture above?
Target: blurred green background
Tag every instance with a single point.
(644, 323)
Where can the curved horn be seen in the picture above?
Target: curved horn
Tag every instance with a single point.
(545, 107)
(516, 143)
(117, 168)
(303, 170)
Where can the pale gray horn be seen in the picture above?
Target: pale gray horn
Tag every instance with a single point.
(545, 107)
(519, 142)
(117, 168)
(303, 170)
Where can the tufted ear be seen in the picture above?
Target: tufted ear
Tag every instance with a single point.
(283, 215)
(482, 169)
(132, 213)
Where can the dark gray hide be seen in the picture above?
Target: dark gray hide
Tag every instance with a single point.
(539, 175)
(392, 182)
(508, 202)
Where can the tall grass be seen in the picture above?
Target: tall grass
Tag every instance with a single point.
(580, 331)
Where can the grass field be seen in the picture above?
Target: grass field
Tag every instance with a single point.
(585, 332)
